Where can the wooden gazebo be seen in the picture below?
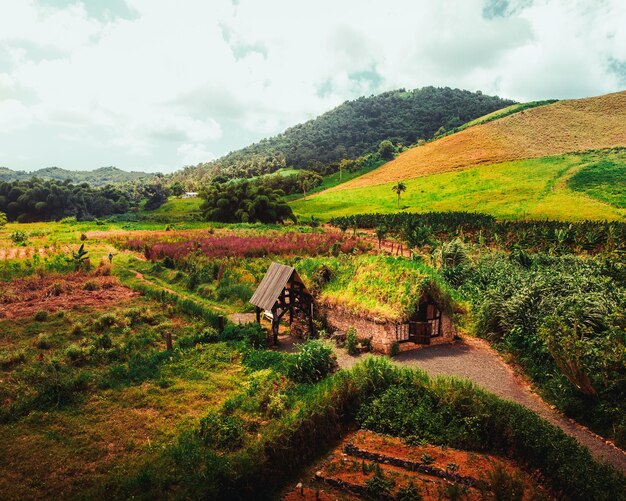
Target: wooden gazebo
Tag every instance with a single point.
(281, 291)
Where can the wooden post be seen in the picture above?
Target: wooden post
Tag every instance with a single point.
(275, 323)
(168, 341)
(221, 322)
(258, 315)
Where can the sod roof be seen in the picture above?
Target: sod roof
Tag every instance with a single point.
(379, 287)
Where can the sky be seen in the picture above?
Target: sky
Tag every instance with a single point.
(155, 85)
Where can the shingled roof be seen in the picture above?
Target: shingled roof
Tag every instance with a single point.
(272, 285)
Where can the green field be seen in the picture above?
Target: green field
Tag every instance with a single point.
(533, 188)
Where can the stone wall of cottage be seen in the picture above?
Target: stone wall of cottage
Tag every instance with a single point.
(383, 335)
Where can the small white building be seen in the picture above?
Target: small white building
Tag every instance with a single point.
(190, 194)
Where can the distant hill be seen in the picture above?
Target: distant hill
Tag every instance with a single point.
(562, 127)
(565, 161)
(97, 177)
(352, 129)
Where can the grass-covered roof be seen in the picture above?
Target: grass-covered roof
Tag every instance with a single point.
(382, 288)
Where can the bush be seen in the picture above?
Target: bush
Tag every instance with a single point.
(41, 316)
(91, 285)
(252, 333)
(208, 335)
(11, 358)
(77, 355)
(257, 360)
(505, 487)
(351, 341)
(395, 349)
(221, 431)
(18, 237)
(107, 321)
(43, 341)
(314, 362)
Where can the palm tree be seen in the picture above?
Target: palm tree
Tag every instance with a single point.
(399, 188)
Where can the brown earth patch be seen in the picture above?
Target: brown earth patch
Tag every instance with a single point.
(25, 297)
(434, 471)
(566, 126)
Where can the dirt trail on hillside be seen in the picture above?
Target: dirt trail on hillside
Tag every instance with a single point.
(475, 360)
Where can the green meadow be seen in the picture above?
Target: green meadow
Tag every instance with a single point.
(532, 188)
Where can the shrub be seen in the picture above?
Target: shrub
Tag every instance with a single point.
(222, 431)
(505, 487)
(18, 237)
(77, 355)
(395, 349)
(55, 289)
(12, 358)
(107, 321)
(68, 220)
(91, 285)
(257, 360)
(41, 316)
(42, 341)
(351, 341)
(208, 335)
(252, 333)
(314, 362)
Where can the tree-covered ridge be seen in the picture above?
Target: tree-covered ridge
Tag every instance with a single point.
(97, 177)
(352, 129)
(39, 200)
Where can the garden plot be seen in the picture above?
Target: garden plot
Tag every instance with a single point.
(25, 297)
(383, 467)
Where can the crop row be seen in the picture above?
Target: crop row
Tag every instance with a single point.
(419, 228)
(247, 246)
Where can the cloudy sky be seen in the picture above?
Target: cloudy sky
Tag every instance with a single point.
(158, 84)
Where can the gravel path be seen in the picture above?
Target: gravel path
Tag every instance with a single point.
(475, 360)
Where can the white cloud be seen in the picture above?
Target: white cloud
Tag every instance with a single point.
(192, 154)
(183, 79)
(13, 115)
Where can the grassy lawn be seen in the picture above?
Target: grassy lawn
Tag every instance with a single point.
(533, 188)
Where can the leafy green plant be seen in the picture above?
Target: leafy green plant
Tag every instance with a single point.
(80, 258)
(18, 237)
(222, 431)
(313, 362)
(379, 486)
(409, 492)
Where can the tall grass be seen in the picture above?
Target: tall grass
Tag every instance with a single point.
(324, 413)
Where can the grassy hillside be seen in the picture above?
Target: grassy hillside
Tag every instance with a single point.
(534, 188)
(562, 127)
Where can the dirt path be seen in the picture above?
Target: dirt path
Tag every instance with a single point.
(475, 360)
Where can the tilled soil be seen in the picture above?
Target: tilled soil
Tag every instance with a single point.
(25, 297)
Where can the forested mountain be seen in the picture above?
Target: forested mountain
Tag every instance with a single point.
(351, 130)
(97, 177)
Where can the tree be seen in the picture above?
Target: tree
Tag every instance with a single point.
(381, 233)
(386, 150)
(399, 188)
(3, 219)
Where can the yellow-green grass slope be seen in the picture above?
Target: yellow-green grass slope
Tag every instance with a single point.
(378, 287)
(513, 167)
(534, 188)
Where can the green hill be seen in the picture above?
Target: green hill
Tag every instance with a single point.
(97, 177)
(565, 160)
(352, 129)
